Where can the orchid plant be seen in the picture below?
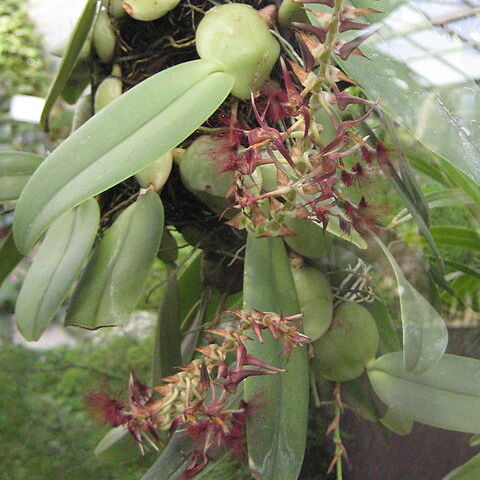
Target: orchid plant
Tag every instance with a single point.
(246, 130)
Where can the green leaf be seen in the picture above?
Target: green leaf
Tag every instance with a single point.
(456, 237)
(425, 334)
(353, 237)
(388, 335)
(446, 396)
(397, 421)
(72, 52)
(15, 170)
(474, 440)
(468, 471)
(450, 236)
(357, 395)
(10, 257)
(461, 180)
(168, 337)
(436, 117)
(117, 444)
(464, 269)
(119, 141)
(442, 198)
(425, 162)
(190, 284)
(276, 436)
(174, 459)
(55, 268)
(113, 279)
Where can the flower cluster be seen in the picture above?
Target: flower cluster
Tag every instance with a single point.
(301, 131)
(198, 399)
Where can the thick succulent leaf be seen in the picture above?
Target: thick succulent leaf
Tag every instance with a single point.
(174, 459)
(425, 334)
(445, 396)
(358, 396)
(168, 337)
(15, 170)
(74, 47)
(119, 141)
(389, 341)
(115, 275)
(468, 471)
(396, 421)
(276, 430)
(437, 117)
(9, 257)
(55, 268)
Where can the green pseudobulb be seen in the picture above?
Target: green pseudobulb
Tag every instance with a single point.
(237, 36)
(352, 341)
(312, 241)
(147, 10)
(104, 39)
(156, 173)
(115, 8)
(199, 169)
(314, 298)
(108, 90)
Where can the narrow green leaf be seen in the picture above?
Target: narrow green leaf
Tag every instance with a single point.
(442, 198)
(74, 47)
(425, 334)
(450, 236)
(115, 275)
(425, 162)
(119, 141)
(456, 237)
(190, 284)
(460, 179)
(463, 268)
(168, 337)
(117, 444)
(468, 471)
(396, 421)
(15, 170)
(9, 257)
(55, 268)
(276, 433)
(446, 396)
(436, 117)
